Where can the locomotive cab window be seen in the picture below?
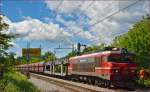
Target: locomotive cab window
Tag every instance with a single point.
(120, 58)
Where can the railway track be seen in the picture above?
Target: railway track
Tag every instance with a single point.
(74, 86)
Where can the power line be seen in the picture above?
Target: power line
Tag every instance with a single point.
(103, 9)
(92, 2)
(82, 11)
(80, 5)
(77, 7)
(149, 6)
(111, 15)
(58, 6)
(115, 35)
(115, 13)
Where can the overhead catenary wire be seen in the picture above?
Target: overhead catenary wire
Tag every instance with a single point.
(58, 6)
(107, 17)
(118, 34)
(121, 33)
(115, 13)
(101, 14)
(92, 2)
(149, 6)
(84, 11)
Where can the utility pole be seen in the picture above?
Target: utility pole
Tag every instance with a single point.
(149, 28)
(149, 6)
(41, 51)
(28, 59)
(62, 61)
(28, 53)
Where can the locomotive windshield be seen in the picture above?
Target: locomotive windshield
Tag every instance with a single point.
(120, 58)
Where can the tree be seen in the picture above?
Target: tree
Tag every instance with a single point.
(87, 50)
(49, 56)
(71, 54)
(4, 39)
(95, 48)
(137, 40)
(11, 58)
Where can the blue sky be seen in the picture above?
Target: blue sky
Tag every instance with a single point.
(52, 23)
(17, 10)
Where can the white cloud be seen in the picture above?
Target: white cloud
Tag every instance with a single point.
(79, 32)
(75, 30)
(34, 29)
(97, 10)
(63, 6)
(15, 48)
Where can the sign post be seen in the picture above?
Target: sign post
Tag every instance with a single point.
(28, 53)
(28, 59)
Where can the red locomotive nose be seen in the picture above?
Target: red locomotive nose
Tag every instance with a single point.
(124, 68)
(125, 71)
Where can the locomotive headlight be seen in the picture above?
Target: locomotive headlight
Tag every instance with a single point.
(116, 71)
(132, 71)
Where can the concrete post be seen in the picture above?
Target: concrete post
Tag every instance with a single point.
(66, 67)
(50, 68)
(38, 67)
(53, 68)
(62, 69)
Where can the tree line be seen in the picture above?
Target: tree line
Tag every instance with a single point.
(137, 40)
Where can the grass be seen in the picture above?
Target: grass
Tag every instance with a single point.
(147, 83)
(16, 82)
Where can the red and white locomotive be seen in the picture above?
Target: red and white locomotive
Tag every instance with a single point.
(115, 67)
(111, 67)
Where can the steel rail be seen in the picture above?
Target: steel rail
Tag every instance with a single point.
(74, 86)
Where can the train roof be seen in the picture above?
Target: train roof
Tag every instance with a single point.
(98, 53)
(58, 61)
(42, 62)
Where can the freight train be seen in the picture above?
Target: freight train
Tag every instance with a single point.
(115, 67)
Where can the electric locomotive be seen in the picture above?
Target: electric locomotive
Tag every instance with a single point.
(114, 67)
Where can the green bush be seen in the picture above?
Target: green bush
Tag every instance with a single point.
(16, 82)
(147, 83)
(147, 74)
